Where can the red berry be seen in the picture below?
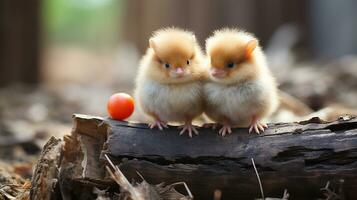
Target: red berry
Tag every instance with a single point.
(120, 106)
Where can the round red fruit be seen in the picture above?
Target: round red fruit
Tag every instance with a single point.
(120, 106)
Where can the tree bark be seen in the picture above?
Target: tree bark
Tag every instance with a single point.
(300, 157)
(20, 27)
(44, 181)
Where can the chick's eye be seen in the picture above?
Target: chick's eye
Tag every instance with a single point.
(230, 65)
(167, 65)
(188, 62)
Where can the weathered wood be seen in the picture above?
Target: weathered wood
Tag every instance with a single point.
(45, 178)
(300, 157)
(81, 170)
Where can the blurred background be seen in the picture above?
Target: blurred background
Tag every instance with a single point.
(59, 57)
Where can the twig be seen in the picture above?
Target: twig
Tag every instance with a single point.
(285, 195)
(186, 187)
(7, 195)
(141, 176)
(260, 183)
(330, 195)
(119, 177)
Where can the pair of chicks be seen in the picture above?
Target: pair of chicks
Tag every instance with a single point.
(231, 84)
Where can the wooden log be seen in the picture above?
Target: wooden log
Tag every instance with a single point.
(300, 157)
(81, 167)
(45, 179)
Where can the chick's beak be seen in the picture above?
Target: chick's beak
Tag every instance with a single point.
(179, 71)
(217, 73)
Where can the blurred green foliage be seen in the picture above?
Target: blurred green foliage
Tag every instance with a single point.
(82, 22)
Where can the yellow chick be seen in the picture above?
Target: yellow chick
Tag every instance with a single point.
(241, 90)
(168, 85)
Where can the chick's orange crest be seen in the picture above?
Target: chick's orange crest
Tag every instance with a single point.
(251, 45)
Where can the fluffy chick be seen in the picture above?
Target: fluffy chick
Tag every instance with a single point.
(168, 86)
(241, 89)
